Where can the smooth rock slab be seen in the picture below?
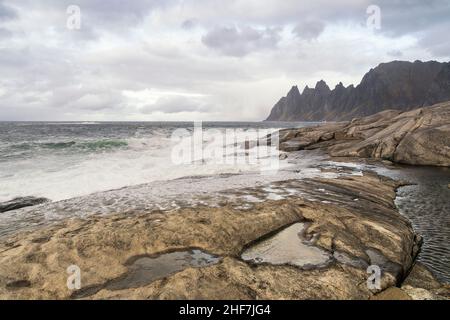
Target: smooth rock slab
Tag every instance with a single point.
(417, 137)
(33, 263)
(290, 146)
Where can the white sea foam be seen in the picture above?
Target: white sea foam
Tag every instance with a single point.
(242, 191)
(63, 174)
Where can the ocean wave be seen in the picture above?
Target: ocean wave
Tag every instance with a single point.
(83, 145)
(103, 144)
(70, 123)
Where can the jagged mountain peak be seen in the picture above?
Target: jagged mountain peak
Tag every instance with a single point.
(294, 90)
(308, 91)
(400, 85)
(322, 86)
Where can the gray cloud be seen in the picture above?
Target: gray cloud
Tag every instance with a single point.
(5, 33)
(176, 104)
(428, 21)
(406, 17)
(395, 53)
(6, 12)
(189, 24)
(309, 30)
(113, 15)
(242, 57)
(238, 42)
(97, 16)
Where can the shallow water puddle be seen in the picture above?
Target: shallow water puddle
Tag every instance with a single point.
(288, 246)
(145, 270)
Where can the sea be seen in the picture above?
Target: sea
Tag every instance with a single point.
(88, 168)
(61, 160)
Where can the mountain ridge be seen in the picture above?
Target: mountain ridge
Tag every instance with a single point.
(398, 85)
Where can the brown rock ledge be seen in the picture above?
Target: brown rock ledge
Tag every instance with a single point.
(357, 224)
(420, 284)
(417, 137)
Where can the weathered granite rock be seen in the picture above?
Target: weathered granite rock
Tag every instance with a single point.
(420, 284)
(392, 293)
(417, 137)
(356, 234)
(292, 145)
(283, 156)
(21, 202)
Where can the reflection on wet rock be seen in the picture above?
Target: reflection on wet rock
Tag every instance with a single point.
(287, 247)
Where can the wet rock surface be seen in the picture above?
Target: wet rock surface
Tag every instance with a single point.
(417, 137)
(144, 270)
(351, 219)
(21, 202)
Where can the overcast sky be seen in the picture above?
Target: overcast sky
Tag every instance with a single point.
(197, 59)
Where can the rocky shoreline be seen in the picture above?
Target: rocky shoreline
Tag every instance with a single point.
(243, 250)
(417, 137)
(352, 218)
